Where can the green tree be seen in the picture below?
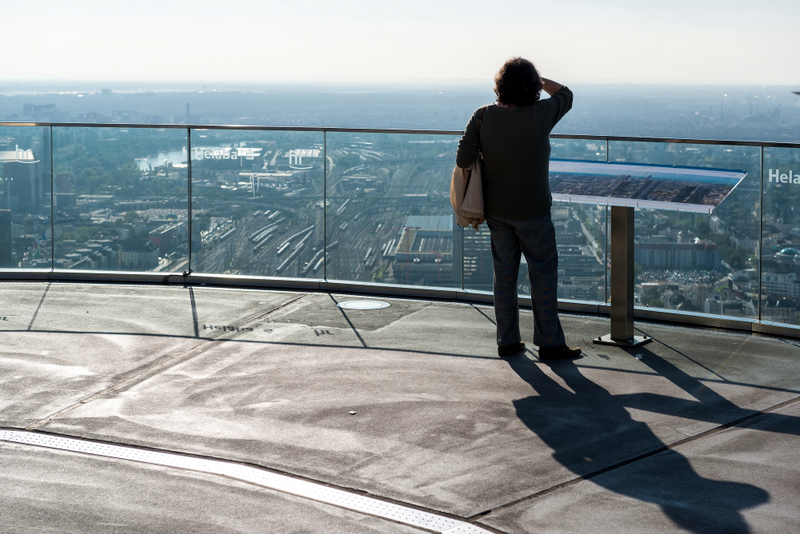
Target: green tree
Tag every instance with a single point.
(701, 227)
(650, 294)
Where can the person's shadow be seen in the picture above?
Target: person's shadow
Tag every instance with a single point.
(592, 434)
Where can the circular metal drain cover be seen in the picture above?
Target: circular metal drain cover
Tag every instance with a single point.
(363, 304)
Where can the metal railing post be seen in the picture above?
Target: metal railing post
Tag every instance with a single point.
(760, 233)
(52, 205)
(189, 197)
(605, 260)
(606, 243)
(325, 205)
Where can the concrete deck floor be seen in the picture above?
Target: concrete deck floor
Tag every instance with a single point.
(698, 431)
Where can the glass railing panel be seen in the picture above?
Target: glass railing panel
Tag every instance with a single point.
(580, 149)
(580, 232)
(478, 267)
(121, 201)
(389, 216)
(25, 197)
(257, 202)
(695, 262)
(580, 237)
(581, 242)
(780, 258)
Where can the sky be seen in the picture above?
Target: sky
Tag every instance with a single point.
(401, 41)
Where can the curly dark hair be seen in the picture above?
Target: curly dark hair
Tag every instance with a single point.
(518, 83)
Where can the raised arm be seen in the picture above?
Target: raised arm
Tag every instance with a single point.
(550, 87)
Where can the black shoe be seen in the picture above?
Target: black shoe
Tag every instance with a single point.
(508, 350)
(558, 353)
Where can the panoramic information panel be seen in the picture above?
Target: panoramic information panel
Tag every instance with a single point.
(642, 186)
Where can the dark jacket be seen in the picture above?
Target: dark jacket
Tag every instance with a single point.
(515, 143)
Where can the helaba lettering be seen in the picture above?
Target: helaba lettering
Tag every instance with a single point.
(225, 153)
(778, 177)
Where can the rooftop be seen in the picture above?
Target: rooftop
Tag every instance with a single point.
(253, 410)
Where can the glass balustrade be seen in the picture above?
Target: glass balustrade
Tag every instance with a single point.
(373, 207)
(26, 196)
(388, 216)
(258, 203)
(579, 149)
(580, 238)
(780, 237)
(121, 199)
(695, 262)
(580, 234)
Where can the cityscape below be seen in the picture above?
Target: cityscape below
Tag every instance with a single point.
(376, 205)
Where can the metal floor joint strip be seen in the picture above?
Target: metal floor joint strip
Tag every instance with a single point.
(252, 475)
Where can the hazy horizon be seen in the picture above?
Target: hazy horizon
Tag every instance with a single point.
(769, 113)
(10, 87)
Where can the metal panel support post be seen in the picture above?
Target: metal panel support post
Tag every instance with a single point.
(622, 277)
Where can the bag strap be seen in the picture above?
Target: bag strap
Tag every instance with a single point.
(480, 120)
(480, 154)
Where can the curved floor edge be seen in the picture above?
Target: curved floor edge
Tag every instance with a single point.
(253, 475)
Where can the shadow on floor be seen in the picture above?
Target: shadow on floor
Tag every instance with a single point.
(708, 405)
(590, 431)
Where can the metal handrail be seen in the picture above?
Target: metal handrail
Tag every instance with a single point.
(677, 140)
(233, 127)
(415, 131)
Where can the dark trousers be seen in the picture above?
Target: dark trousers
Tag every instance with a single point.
(536, 238)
